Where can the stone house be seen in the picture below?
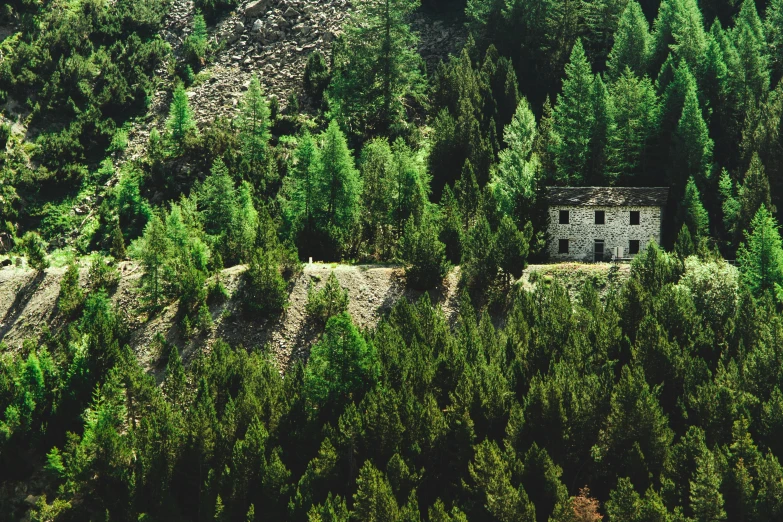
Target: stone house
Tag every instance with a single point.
(597, 223)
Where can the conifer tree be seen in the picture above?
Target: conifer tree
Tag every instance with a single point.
(706, 498)
(750, 41)
(300, 187)
(71, 295)
(635, 119)
(451, 226)
(175, 382)
(601, 18)
(693, 214)
(409, 186)
(195, 44)
(339, 187)
(773, 28)
(631, 43)
(423, 253)
(468, 194)
(688, 34)
(753, 193)
(180, 123)
(34, 247)
(574, 119)
(253, 124)
(761, 256)
(374, 500)
(603, 116)
(154, 252)
(730, 206)
(546, 142)
(516, 176)
(693, 146)
(377, 185)
(376, 71)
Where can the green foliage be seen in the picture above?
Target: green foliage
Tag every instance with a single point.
(71, 295)
(102, 275)
(761, 256)
(180, 125)
(195, 45)
(316, 77)
(423, 253)
(694, 216)
(327, 302)
(253, 124)
(154, 250)
(376, 72)
(631, 43)
(34, 249)
(264, 292)
(342, 365)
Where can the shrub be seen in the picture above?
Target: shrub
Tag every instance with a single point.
(5, 134)
(264, 291)
(102, 275)
(71, 295)
(34, 248)
(326, 302)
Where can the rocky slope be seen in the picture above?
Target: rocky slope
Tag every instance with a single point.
(272, 39)
(28, 301)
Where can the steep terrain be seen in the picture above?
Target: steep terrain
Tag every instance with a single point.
(28, 301)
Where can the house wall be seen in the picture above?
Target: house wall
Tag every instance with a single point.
(617, 230)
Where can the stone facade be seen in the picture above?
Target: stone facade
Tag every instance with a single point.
(582, 232)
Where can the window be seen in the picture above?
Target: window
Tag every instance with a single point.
(564, 217)
(562, 246)
(600, 217)
(634, 217)
(633, 246)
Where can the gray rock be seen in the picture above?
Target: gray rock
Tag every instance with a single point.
(256, 8)
(258, 27)
(291, 13)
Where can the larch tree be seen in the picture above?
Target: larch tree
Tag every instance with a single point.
(376, 70)
(706, 498)
(773, 28)
(752, 194)
(574, 119)
(253, 124)
(154, 253)
(631, 47)
(515, 178)
(339, 186)
(635, 119)
(751, 44)
(601, 19)
(692, 212)
(692, 143)
(180, 123)
(374, 499)
(300, 187)
(761, 256)
(377, 180)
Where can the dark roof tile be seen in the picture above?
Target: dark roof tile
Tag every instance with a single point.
(608, 196)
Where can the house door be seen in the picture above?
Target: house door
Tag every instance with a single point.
(599, 250)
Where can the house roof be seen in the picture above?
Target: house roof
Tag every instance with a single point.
(608, 196)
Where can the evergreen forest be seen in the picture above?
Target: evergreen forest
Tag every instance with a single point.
(652, 394)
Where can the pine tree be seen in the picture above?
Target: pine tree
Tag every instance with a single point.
(316, 77)
(71, 295)
(693, 214)
(635, 119)
(410, 187)
(376, 71)
(603, 117)
(195, 44)
(423, 253)
(467, 192)
(374, 500)
(601, 18)
(300, 187)
(34, 247)
(513, 245)
(631, 47)
(750, 41)
(753, 194)
(492, 484)
(688, 34)
(175, 382)
(761, 256)
(338, 187)
(773, 28)
(117, 243)
(574, 119)
(546, 142)
(180, 123)
(516, 176)
(730, 206)
(692, 144)
(377, 182)
(684, 246)
(154, 252)
(253, 125)
(706, 499)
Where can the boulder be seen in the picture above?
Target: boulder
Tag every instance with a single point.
(258, 26)
(256, 8)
